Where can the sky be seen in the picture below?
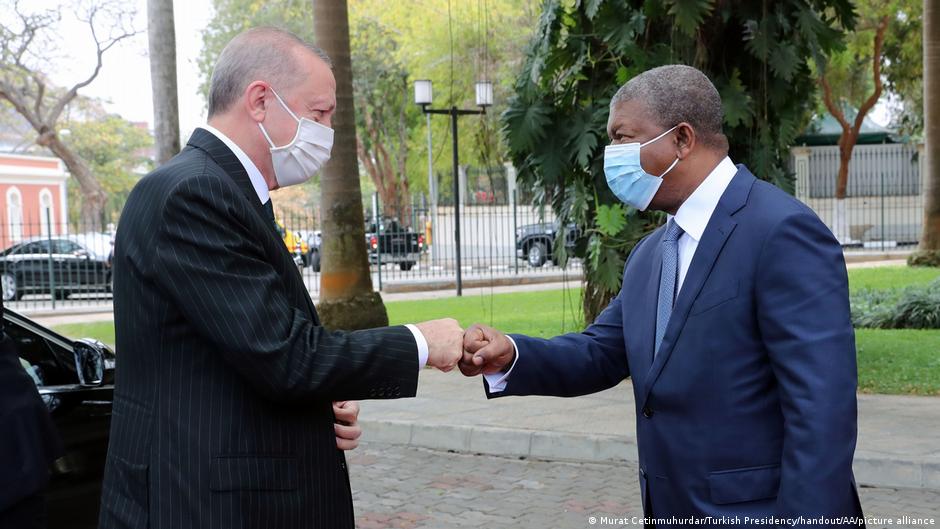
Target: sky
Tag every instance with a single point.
(124, 81)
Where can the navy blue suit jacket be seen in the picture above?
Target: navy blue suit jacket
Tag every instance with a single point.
(749, 408)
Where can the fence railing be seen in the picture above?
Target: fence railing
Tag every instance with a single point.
(883, 207)
(49, 265)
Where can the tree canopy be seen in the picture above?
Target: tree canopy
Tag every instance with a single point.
(756, 53)
(394, 43)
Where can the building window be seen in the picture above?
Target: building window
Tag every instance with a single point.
(46, 212)
(15, 214)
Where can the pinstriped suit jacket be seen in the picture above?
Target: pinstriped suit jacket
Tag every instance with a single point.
(222, 406)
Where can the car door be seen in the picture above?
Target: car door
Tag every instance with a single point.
(72, 270)
(32, 266)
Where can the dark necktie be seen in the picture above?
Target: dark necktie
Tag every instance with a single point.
(269, 212)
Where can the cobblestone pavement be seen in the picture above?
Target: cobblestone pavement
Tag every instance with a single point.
(412, 488)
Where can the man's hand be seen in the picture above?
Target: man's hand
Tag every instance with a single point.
(347, 426)
(445, 342)
(486, 350)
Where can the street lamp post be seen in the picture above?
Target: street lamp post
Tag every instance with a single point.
(484, 98)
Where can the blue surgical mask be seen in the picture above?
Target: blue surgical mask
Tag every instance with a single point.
(626, 177)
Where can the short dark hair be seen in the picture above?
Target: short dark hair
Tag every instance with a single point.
(677, 93)
(266, 53)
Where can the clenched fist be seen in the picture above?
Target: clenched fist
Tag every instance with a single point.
(486, 350)
(445, 342)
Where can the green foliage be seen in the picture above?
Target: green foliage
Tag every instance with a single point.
(610, 219)
(441, 40)
(116, 151)
(849, 69)
(915, 307)
(756, 53)
(924, 258)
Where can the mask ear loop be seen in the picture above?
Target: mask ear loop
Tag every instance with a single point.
(289, 111)
(670, 167)
(656, 138)
(271, 143)
(646, 143)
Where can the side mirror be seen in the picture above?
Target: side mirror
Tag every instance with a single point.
(94, 362)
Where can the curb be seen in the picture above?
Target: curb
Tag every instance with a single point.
(870, 469)
(451, 284)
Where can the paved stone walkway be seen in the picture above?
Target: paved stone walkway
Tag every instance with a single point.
(413, 488)
(897, 435)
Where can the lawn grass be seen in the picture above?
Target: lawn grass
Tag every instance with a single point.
(900, 361)
(888, 277)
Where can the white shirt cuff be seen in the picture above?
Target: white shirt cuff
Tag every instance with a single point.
(422, 346)
(497, 381)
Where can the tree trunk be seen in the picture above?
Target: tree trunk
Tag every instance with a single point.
(93, 195)
(347, 300)
(930, 240)
(162, 36)
(850, 131)
(840, 222)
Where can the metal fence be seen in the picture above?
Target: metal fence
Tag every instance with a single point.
(884, 205)
(49, 265)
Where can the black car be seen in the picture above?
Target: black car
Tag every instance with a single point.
(76, 382)
(393, 243)
(535, 243)
(60, 266)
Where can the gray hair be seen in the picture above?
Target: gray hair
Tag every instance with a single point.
(677, 93)
(264, 53)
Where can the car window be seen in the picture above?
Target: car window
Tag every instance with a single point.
(34, 248)
(63, 246)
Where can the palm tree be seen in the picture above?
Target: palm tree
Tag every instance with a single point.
(930, 240)
(162, 36)
(347, 300)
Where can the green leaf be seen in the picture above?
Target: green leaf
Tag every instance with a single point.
(611, 220)
(526, 124)
(582, 137)
(758, 37)
(736, 101)
(689, 14)
(784, 61)
(591, 7)
(623, 75)
(608, 269)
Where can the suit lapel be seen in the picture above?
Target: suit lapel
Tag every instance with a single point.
(645, 335)
(226, 159)
(719, 228)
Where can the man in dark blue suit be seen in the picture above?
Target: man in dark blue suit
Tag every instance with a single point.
(733, 323)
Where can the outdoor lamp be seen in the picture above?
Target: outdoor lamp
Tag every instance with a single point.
(484, 93)
(423, 93)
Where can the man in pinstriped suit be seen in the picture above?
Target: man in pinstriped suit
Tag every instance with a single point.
(222, 408)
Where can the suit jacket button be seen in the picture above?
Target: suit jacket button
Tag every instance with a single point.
(647, 412)
(642, 472)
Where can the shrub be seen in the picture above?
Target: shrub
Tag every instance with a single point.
(873, 308)
(924, 258)
(911, 308)
(919, 308)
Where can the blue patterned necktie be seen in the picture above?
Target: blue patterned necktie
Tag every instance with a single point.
(667, 281)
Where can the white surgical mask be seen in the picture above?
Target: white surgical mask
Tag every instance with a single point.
(305, 155)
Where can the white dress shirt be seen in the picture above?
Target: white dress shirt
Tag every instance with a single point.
(261, 188)
(693, 216)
